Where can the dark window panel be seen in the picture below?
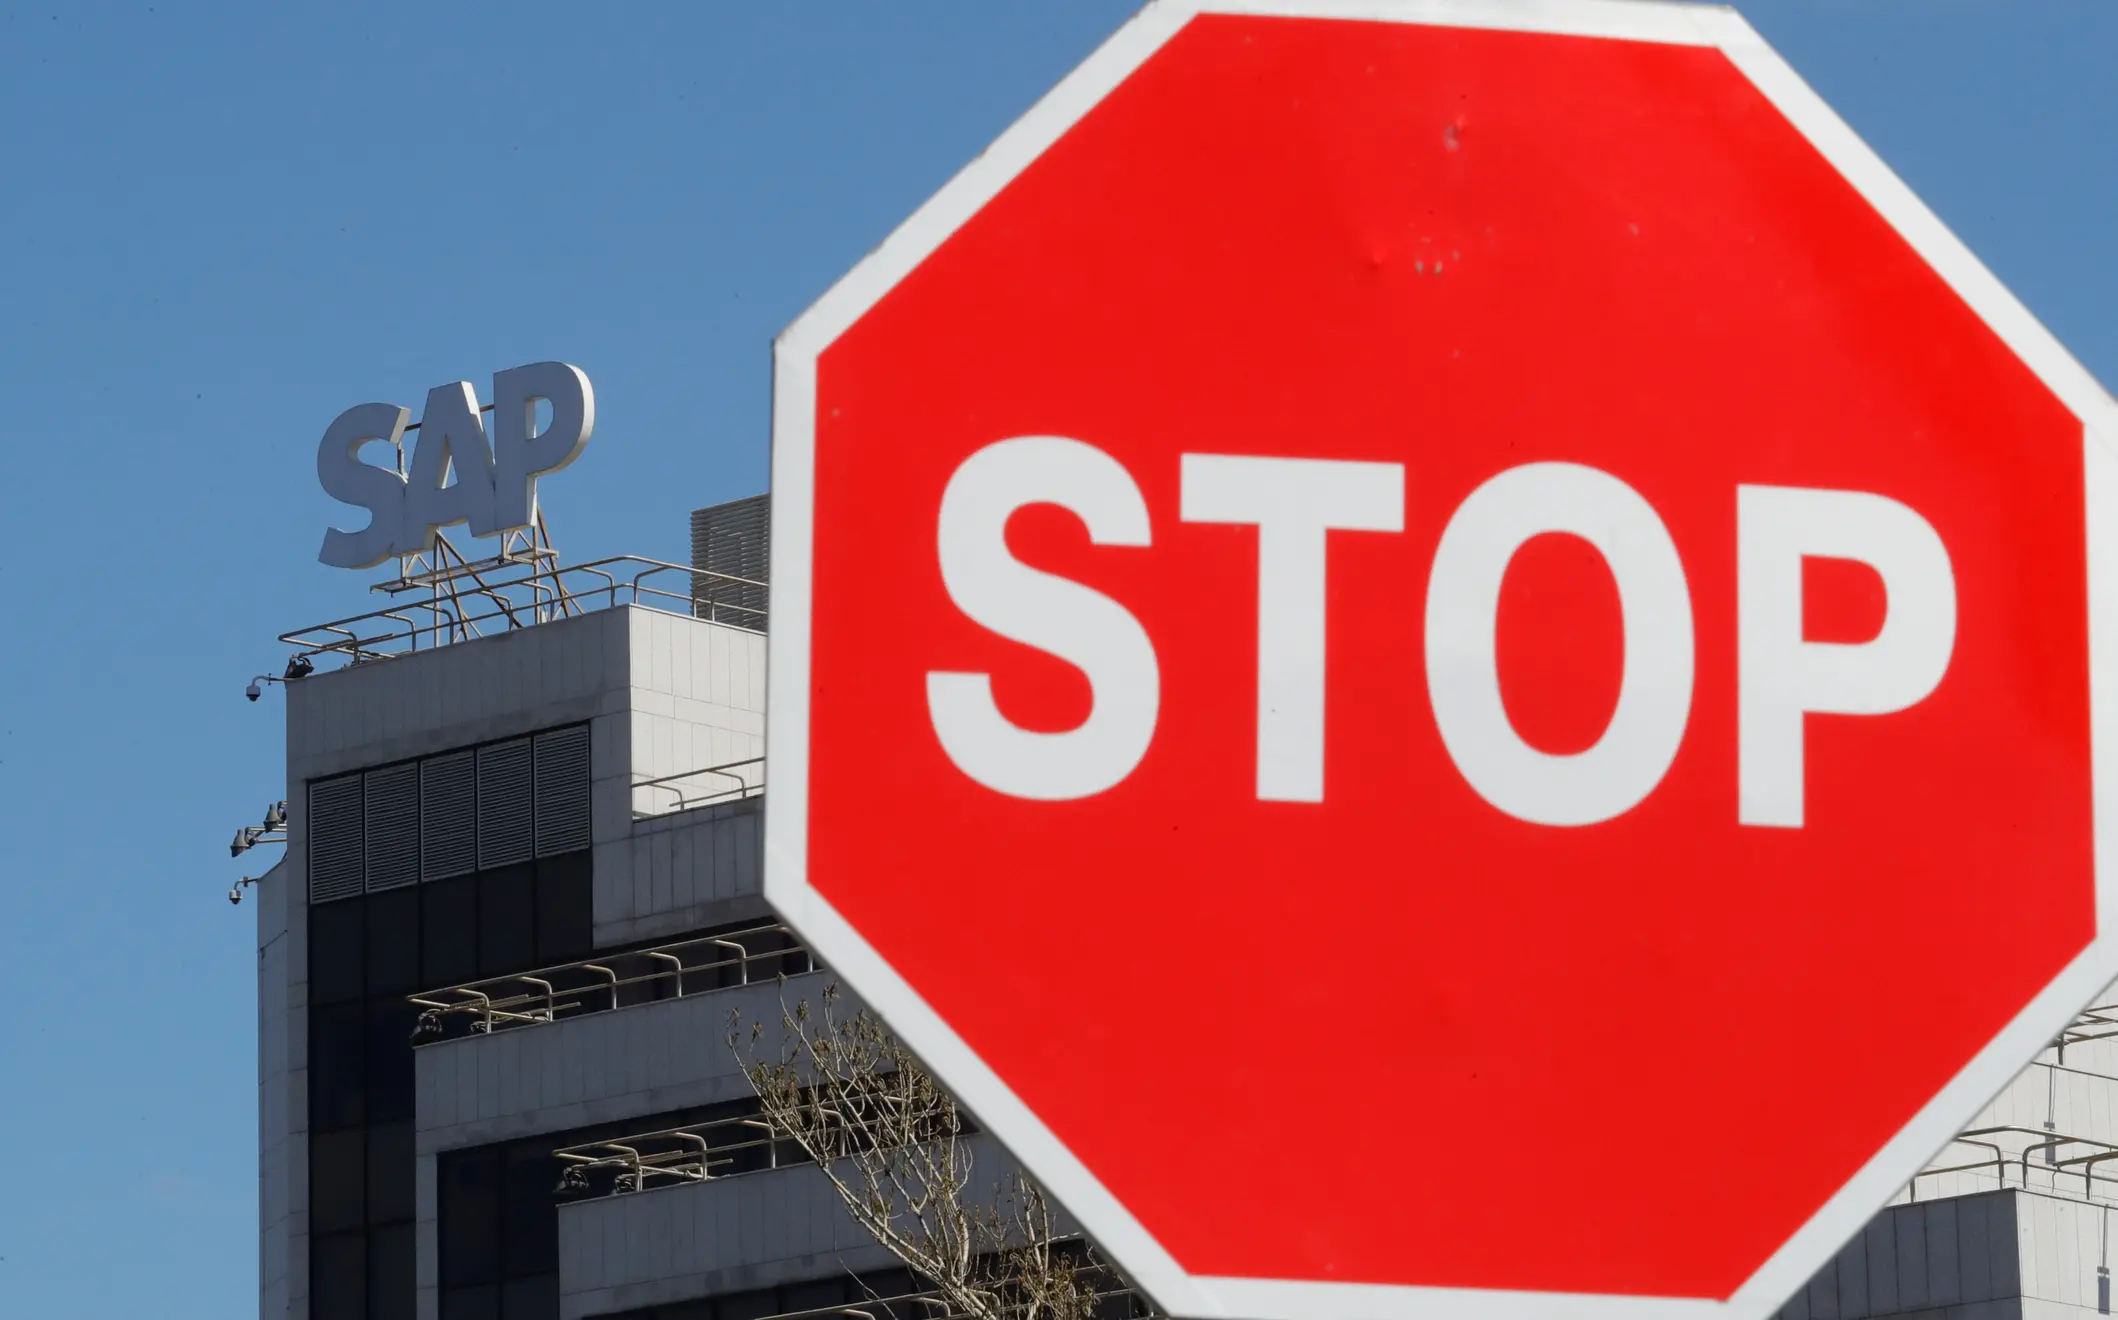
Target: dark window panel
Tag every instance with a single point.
(534, 1298)
(391, 1171)
(393, 1285)
(507, 921)
(1117, 1306)
(646, 976)
(772, 953)
(335, 951)
(878, 1285)
(337, 1066)
(338, 1277)
(478, 1303)
(815, 1294)
(753, 1305)
(337, 1164)
(448, 952)
(565, 908)
(392, 1077)
(470, 1217)
(578, 990)
(529, 1220)
(393, 942)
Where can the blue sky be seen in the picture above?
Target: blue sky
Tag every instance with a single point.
(220, 225)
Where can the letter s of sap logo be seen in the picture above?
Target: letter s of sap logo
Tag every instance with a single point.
(495, 489)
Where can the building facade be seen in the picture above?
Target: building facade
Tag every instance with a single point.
(521, 898)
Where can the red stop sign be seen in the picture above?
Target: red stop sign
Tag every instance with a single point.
(1441, 656)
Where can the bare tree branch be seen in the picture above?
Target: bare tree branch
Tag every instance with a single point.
(892, 1143)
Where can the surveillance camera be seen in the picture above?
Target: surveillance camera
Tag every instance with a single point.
(235, 894)
(253, 691)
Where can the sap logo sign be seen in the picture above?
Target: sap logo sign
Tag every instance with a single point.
(495, 486)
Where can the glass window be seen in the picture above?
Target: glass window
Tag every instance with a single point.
(814, 1295)
(393, 942)
(338, 1277)
(754, 1305)
(470, 1217)
(507, 921)
(392, 1074)
(773, 953)
(535, 1298)
(337, 1161)
(391, 1171)
(335, 950)
(479, 1303)
(882, 1285)
(529, 1229)
(337, 1056)
(646, 982)
(565, 908)
(448, 953)
(393, 1286)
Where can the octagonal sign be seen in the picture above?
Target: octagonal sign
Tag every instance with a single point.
(1447, 658)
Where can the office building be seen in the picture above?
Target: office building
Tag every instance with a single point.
(520, 898)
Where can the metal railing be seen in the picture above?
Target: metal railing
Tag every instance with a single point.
(467, 601)
(730, 781)
(2007, 1147)
(2094, 1023)
(697, 1152)
(608, 981)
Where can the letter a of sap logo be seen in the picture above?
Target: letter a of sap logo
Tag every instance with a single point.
(495, 486)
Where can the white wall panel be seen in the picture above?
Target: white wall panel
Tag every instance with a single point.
(680, 873)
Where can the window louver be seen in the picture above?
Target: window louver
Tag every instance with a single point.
(504, 804)
(393, 826)
(448, 792)
(562, 791)
(336, 861)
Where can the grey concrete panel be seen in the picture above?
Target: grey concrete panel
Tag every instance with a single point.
(450, 696)
(269, 895)
(1878, 1242)
(751, 1230)
(1945, 1276)
(602, 1068)
(1954, 1258)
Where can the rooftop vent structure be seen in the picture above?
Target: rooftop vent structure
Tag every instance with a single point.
(732, 540)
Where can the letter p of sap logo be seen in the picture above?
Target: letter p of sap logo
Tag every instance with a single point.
(495, 482)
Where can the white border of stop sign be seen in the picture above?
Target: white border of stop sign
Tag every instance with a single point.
(1289, 768)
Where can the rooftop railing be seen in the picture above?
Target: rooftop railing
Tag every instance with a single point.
(463, 601)
(608, 981)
